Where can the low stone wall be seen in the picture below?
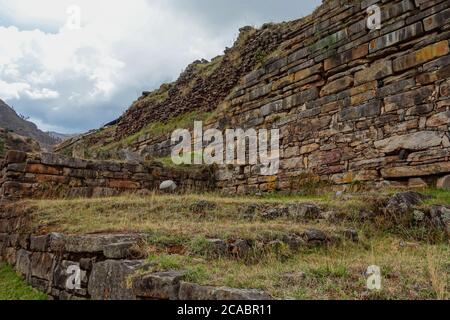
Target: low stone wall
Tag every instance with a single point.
(110, 266)
(53, 175)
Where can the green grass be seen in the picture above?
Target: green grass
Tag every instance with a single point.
(12, 287)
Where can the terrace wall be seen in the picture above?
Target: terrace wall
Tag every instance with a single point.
(50, 175)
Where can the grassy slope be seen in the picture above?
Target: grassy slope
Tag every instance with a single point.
(12, 287)
(412, 267)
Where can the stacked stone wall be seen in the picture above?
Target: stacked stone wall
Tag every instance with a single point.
(50, 175)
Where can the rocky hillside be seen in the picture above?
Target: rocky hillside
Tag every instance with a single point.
(10, 120)
(12, 141)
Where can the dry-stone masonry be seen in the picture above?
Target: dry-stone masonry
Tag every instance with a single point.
(354, 105)
(53, 175)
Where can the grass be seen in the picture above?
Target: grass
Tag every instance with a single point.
(12, 287)
(412, 267)
(166, 215)
(408, 272)
(157, 129)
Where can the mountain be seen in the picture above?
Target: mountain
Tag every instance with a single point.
(61, 136)
(10, 120)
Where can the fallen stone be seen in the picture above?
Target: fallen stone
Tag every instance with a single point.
(403, 202)
(304, 211)
(203, 206)
(23, 263)
(315, 235)
(274, 213)
(168, 186)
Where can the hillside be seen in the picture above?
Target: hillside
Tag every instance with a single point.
(12, 141)
(11, 121)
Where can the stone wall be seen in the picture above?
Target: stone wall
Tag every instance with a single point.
(111, 266)
(354, 105)
(55, 176)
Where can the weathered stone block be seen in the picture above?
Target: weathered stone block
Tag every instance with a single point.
(42, 265)
(413, 141)
(439, 119)
(437, 20)
(421, 56)
(190, 291)
(416, 97)
(161, 285)
(376, 71)
(369, 109)
(23, 262)
(42, 169)
(396, 36)
(337, 86)
(108, 280)
(123, 250)
(95, 243)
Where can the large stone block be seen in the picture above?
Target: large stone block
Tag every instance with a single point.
(376, 71)
(421, 56)
(413, 141)
(411, 98)
(108, 280)
(95, 243)
(337, 86)
(370, 109)
(416, 171)
(396, 37)
(437, 20)
(42, 265)
(346, 57)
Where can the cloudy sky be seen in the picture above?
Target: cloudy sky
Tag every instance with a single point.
(70, 79)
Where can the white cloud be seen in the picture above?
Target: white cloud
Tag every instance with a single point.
(79, 79)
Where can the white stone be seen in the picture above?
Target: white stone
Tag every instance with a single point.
(168, 185)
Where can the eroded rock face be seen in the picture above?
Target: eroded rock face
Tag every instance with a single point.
(108, 280)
